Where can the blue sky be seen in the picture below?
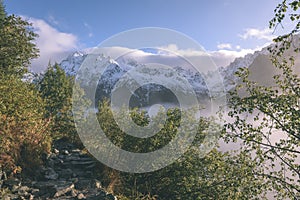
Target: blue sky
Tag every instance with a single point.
(232, 25)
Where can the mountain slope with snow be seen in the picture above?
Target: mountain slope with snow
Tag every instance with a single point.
(258, 62)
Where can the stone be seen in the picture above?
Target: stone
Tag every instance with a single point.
(56, 151)
(24, 191)
(66, 152)
(10, 197)
(76, 151)
(51, 174)
(110, 197)
(74, 193)
(12, 182)
(100, 195)
(96, 184)
(81, 196)
(82, 162)
(66, 173)
(63, 190)
(82, 184)
(47, 188)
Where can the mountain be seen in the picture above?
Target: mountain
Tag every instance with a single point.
(116, 72)
(259, 64)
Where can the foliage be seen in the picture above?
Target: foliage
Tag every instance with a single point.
(2, 12)
(17, 46)
(56, 89)
(216, 176)
(24, 134)
(287, 9)
(24, 131)
(266, 118)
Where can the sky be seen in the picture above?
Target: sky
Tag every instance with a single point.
(228, 28)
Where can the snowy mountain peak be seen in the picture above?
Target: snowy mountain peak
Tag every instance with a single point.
(116, 69)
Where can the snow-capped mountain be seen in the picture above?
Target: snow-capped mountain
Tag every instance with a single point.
(115, 69)
(229, 79)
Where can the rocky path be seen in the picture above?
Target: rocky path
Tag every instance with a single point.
(68, 174)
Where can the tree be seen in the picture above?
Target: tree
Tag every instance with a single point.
(285, 41)
(17, 46)
(216, 176)
(2, 12)
(267, 118)
(24, 134)
(56, 89)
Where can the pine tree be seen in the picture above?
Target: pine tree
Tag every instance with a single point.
(57, 88)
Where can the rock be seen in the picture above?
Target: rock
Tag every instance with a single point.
(12, 182)
(55, 151)
(82, 184)
(66, 152)
(99, 195)
(97, 184)
(63, 190)
(81, 196)
(24, 191)
(74, 193)
(45, 188)
(76, 151)
(10, 197)
(82, 162)
(51, 174)
(68, 174)
(110, 197)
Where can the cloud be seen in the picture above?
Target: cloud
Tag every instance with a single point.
(262, 34)
(53, 44)
(224, 46)
(171, 55)
(221, 57)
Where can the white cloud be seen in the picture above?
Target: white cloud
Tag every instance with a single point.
(262, 34)
(173, 56)
(224, 46)
(221, 58)
(53, 44)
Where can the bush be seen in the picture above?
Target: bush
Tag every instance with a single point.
(216, 176)
(24, 133)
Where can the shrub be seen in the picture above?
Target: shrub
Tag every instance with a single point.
(24, 133)
(215, 176)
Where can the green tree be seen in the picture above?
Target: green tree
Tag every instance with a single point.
(17, 46)
(216, 176)
(267, 118)
(56, 89)
(286, 10)
(24, 133)
(2, 12)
